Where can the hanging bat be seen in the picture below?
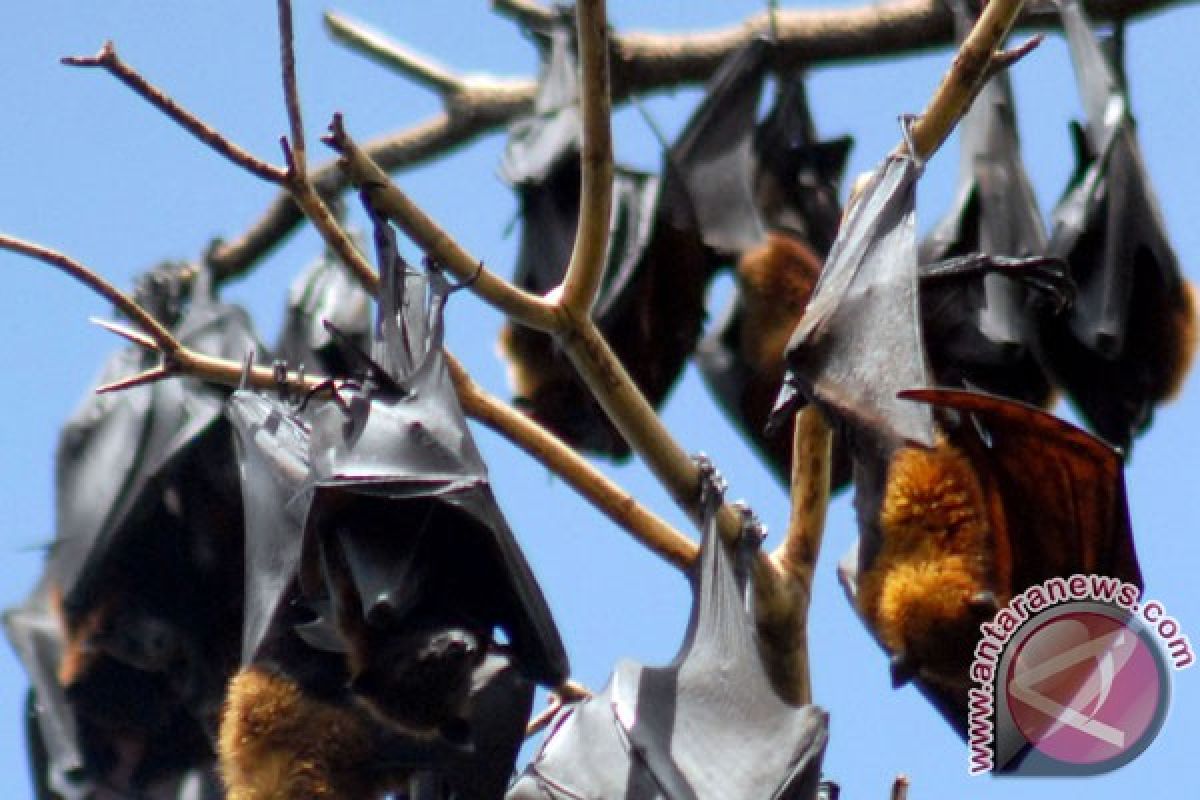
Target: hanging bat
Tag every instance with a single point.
(956, 512)
(142, 582)
(1126, 344)
(324, 291)
(382, 569)
(709, 725)
(796, 181)
(667, 238)
(986, 327)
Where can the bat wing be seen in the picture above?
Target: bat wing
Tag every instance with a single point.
(860, 341)
(1062, 489)
(1126, 343)
(410, 445)
(273, 452)
(710, 725)
(34, 632)
(122, 446)
(707, 171)
(982, 331)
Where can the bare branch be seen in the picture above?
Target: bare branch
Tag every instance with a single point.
(643, 62)
(527, 308)
(617, 504)
(900, 788)
(391, 54)
(569, 692)
(586, 267)
(783, 630)
(162, 338)
(964, 78)
(108, 60)
(291, 93)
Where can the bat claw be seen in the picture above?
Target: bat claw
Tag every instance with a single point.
(712, 483)
(753, 530)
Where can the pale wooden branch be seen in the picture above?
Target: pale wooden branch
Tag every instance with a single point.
(617, 504)
(298, 183)
(108, 60)
(783, 626)
(389, 200)
(586, 266)
(177, 359)
(569, 692)
(962, 81)
(642, 62)
(391, 54)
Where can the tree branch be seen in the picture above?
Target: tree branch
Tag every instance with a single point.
(389, 200)
(617, 504)
(390, 54)
(586, 267)
(108, 60)
(643, 62)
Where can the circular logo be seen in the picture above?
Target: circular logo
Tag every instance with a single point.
(1087, 687)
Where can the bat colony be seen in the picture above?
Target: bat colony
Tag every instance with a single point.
(337, 606)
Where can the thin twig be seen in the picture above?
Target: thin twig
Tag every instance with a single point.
(291, 92)
(900, 788)
(391, 54)
(108, 60)
(298, 183)
(617, 504)
(568, 692)
(163, 340)
(586, 267)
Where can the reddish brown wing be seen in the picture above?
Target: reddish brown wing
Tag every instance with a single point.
(1062, 489)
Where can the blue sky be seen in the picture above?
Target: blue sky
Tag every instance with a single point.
(92, 170)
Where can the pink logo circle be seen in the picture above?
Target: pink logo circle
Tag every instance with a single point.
(1086, 688)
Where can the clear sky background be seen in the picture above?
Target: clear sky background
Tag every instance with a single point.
(88, 168)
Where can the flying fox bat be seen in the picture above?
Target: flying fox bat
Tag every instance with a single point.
(379, 569)
(668, 236)
(127, 640)
(709, 725)
(796, 178)
(986, 327)
(959, 511)
(1126, 343)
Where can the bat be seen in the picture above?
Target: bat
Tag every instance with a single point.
(127, 638)
(668, 236)
(987, 327)
(796, 180)
(1125, 345)
(378, 569)
(709, 725)
(959, 511)
(324, 291)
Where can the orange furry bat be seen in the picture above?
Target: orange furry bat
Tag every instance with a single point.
(963, 499)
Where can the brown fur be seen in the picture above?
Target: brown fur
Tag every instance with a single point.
(936, 554)
(277, 743)
(1179, 343)
(776, 281)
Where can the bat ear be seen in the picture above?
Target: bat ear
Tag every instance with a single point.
(831, 158)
